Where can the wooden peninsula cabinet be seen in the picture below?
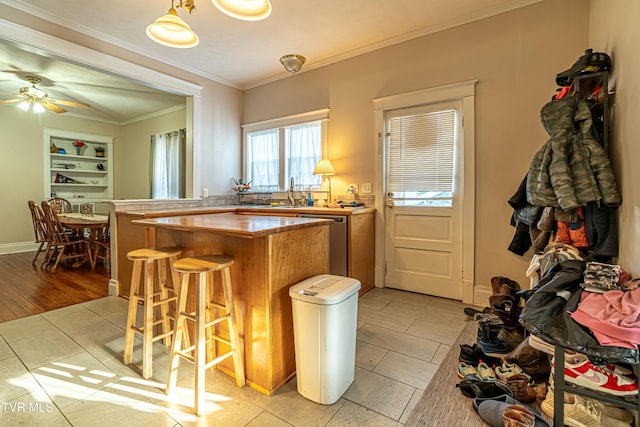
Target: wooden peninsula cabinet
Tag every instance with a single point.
(271, 254)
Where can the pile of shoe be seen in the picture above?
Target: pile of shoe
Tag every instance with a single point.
(498, 327)
(487, 379)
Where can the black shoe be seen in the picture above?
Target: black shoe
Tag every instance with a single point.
(473, 354)
(471, 312)
(476, 388)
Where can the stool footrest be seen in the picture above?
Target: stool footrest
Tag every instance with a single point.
(192, 316)
(185, 355)
(218, 305)
(218, 359)
(163, 301)
(216, 321)
(161, 336)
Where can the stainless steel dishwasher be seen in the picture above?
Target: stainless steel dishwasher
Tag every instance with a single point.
(338, 245)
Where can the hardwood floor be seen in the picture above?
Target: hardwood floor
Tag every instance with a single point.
(26, 289)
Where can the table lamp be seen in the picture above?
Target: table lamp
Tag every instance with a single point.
(325, 169)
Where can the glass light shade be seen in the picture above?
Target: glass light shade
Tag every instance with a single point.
(246, 10)
(324, 168)
(38, 108)
(24, 105)
(292, 63)
(170, 30)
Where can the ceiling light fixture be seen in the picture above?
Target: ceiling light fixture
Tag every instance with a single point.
(292, 62)
(170, 30)
(246, 10)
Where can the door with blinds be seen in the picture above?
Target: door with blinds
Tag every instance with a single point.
(423, 241)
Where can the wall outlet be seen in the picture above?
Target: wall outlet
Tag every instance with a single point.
(352, 188)
(366, 188)
(205, 192)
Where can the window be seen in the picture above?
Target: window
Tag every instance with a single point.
(420, 167)
(280, 149)
(167, 165)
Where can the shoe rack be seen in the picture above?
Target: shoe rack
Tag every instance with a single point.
(583, 86)
(560, 386)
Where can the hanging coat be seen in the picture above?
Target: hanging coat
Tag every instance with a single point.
(571, 169)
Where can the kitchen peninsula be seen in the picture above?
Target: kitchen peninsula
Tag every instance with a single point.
(271, 254)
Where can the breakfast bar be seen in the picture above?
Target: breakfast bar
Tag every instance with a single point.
(271, 253)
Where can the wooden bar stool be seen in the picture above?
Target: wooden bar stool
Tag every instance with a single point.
(204, 266)
(153, 291)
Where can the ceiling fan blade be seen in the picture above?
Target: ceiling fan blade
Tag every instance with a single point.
(9, 101)
(52, 107)
(70, 103)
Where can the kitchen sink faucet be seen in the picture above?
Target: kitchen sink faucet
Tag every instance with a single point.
(290, 193)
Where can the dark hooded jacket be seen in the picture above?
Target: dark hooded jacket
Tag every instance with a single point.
(547, 314)
(572, 168)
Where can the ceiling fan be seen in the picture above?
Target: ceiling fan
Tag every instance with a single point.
(39, 99)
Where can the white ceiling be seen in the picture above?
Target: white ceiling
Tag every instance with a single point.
(238, 53)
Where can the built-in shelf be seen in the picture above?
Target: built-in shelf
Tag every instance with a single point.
(90, 176)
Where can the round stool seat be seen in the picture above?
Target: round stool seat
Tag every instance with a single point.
(153, 253)
(203, 263)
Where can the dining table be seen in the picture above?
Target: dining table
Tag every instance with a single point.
(89, 226)
(77, 221)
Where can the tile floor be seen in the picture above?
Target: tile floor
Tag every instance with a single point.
(65, 368)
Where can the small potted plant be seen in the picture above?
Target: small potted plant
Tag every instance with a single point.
(79, 146)
(99, 151)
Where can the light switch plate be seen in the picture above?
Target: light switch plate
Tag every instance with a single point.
(366, 188)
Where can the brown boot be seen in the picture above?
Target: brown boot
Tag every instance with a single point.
(518, 416)
(519, 385)
(504, 286)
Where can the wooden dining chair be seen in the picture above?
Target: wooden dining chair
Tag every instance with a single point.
(102, 247)
(39, 228)
(60, 205)
(62, 246)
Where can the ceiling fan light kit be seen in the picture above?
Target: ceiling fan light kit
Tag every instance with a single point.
(292, 62)
(170, 30)
(39, 100)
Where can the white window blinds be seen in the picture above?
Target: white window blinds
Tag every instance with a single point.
(421, 151)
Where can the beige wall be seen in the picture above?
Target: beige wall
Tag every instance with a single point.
(131, 167)
(514, 56)
(22, 165)
(615, 30)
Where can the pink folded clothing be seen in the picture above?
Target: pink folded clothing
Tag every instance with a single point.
(613, 317)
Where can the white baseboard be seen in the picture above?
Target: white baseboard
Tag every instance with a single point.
(18, 247)
(113, 287)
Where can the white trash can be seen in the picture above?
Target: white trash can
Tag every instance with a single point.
(325, 311)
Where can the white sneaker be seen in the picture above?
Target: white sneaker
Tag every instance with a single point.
(578, 411)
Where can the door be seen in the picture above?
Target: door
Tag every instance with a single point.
(423, 243)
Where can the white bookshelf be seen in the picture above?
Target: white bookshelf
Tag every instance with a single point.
(79, 178)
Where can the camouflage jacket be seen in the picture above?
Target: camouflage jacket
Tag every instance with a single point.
(572, 168)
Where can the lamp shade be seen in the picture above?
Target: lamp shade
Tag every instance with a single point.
(246, 10)
(324, 168)
(170, 30)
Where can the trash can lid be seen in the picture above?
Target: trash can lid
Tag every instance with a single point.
(325, 289)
